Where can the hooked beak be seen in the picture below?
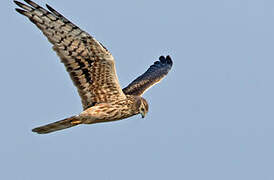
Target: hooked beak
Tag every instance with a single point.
(143, 114)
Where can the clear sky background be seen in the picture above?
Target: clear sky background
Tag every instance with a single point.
(211, 118)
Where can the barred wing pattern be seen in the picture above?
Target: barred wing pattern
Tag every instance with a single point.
(152, 76)
(90, 64)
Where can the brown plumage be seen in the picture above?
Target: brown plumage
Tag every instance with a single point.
(92, 70)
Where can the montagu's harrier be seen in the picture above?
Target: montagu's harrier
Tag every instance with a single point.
(92, 70)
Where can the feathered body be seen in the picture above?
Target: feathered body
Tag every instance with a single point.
(92, 70)
(112, 111)
(102, 112)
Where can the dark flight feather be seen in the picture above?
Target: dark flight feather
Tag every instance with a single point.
(153, 75)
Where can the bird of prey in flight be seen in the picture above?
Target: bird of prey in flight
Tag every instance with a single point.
(92, 70)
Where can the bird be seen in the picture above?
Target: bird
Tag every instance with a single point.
(92, 69)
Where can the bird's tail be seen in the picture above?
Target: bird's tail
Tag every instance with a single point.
(58, 125)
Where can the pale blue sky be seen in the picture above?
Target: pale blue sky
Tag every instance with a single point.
(211, 118)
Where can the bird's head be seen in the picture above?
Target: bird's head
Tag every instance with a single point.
(142, 107)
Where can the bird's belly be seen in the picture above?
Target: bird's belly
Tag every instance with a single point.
(92, 120)
(104, 113)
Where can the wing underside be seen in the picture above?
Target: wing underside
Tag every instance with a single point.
(152, 76)
(90, 65)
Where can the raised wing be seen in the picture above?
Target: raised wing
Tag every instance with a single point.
(152, 76)
(90, 65)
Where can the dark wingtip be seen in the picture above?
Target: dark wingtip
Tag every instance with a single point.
(20, 11)
(162, 59)
(166, 60)
(17, 2)
(50, 8)
(169, 60)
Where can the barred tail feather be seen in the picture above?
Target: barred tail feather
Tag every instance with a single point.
(58, 125)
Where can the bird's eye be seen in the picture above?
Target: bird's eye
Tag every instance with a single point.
(142, 109)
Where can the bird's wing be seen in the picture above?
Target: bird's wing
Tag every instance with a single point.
(90, 65)
(152, 76)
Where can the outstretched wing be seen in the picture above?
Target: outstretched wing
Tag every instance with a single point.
(152, 76)
(89, 63)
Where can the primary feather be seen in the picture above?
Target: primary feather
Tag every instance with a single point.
(153, 75)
